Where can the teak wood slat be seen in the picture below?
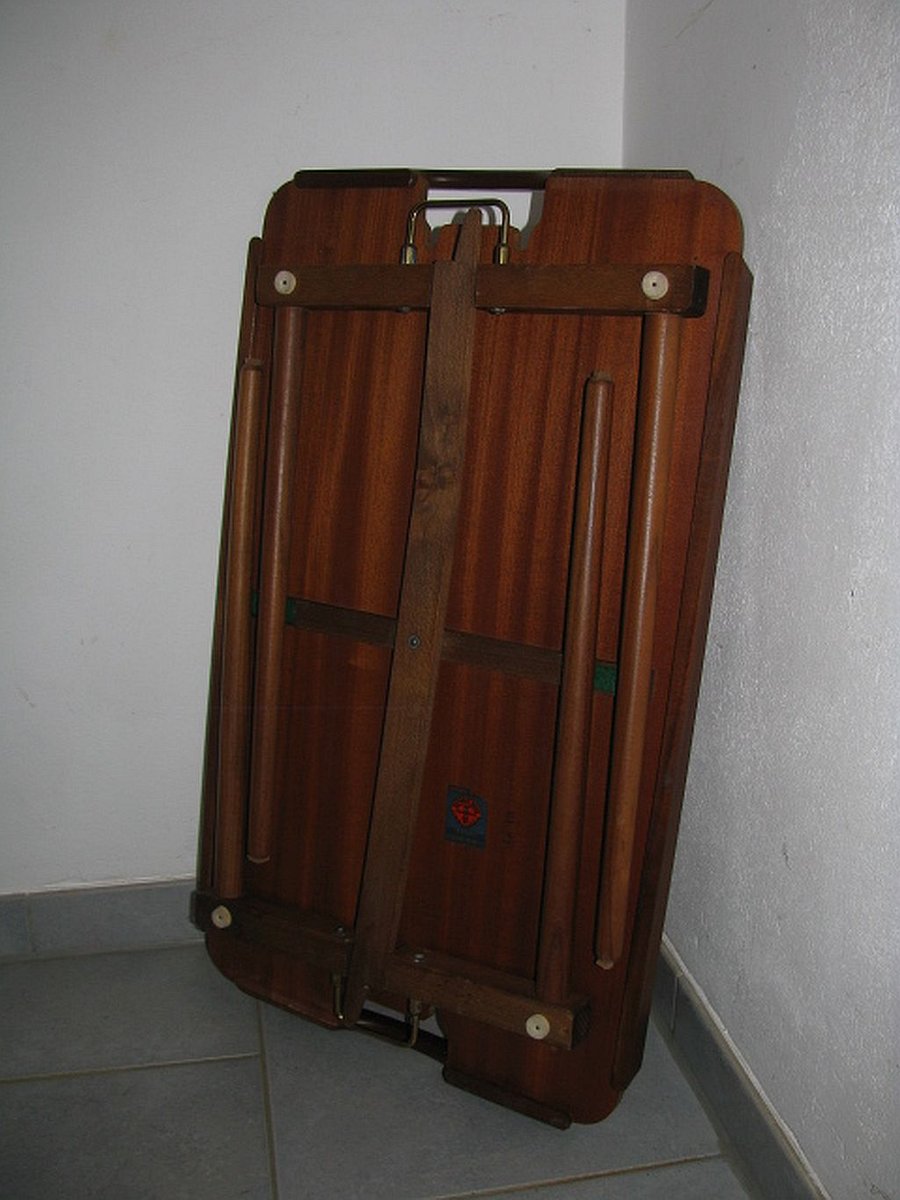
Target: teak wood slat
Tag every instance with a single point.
(420, 619)
(706, 523)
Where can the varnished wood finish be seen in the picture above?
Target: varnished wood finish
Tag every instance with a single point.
(354, 470)
(422, 613)
(602, 290)
(652, 458)
(251, 342)
(609, 218)
(453, 986)
(288, 357)
(237, 666)
(706, 522)
(370, 887)
(576, 695)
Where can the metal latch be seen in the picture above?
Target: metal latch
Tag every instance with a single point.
(501, 251)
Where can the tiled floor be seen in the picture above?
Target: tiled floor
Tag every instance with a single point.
(144, 1074)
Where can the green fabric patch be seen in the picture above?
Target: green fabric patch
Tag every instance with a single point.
(605, 678)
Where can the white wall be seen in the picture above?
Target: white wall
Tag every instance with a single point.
(139, 145)
(786, 902)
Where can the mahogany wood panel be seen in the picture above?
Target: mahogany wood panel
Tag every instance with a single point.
(325, 796)
(448, 814)
(492, 737)
(676, 220)
(330, 715)
(706, 522)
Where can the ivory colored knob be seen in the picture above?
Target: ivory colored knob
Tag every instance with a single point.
(654, 285)
(285, 282)
(220, 916)
(537, 1026)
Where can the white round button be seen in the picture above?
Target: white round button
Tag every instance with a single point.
(537, 1026)
(220, 917)
(285, 282)
(654, 285)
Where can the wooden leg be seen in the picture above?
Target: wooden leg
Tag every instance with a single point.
(572, 738)
(280, 461)
(656, 407)
(237, 638)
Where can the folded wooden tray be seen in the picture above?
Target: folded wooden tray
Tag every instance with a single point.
(472, 512)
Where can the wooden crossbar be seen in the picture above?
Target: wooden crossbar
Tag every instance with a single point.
(602, 290)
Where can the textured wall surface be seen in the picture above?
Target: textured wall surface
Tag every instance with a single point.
(140, 143)
(786, 901)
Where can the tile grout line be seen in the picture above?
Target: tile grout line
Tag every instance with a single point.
(267, 1101)
(29, 929)
(81, 1073)
(587, 1177)
(43, 956)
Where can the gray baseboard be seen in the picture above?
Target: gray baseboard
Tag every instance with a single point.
(94, 920)
(772, 1165)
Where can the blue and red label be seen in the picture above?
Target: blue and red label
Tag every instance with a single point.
(465, 818)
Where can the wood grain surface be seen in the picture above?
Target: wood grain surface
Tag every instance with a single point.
(458, 504)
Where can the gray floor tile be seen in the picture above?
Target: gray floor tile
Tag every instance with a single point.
(194, 1132)
(712, 1179)
(354, 1118)
(115, 1010)
(114, 918)
(15, 939)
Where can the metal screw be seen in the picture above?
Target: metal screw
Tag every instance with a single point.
(414, 642)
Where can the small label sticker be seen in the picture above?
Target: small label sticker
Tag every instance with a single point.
(465, 817)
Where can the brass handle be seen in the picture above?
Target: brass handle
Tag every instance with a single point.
(501, 252)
